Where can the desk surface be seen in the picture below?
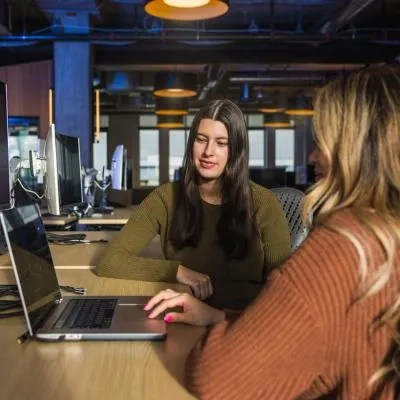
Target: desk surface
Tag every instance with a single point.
(76, 256)
(86, 255)
(59, 220)
(120, 216)
(95, 370)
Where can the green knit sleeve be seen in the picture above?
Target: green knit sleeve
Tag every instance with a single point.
(273, 228)
(149, 219)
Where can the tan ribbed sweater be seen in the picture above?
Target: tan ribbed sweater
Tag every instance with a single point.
(303, 337)
(236, 282)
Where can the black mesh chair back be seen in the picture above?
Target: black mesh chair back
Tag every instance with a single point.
(291, 199)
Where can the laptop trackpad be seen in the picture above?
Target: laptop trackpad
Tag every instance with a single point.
(129, 315)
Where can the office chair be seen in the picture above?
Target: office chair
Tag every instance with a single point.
(290, 199)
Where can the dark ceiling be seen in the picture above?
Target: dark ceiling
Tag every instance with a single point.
(279, 46)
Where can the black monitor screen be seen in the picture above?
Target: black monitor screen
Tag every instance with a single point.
(5, 198)
(69, 169)
(268, 177)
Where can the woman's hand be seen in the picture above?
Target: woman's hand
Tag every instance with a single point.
(195, 312)
(198, 282)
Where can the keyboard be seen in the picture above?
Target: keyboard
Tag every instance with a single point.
(87, 314)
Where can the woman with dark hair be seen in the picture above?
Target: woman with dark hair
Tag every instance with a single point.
(326, 326)
(220, 233)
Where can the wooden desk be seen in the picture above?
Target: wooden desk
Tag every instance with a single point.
(95, 370)
(86, 255)
(120, 216)
(59, 220)
(76, 256)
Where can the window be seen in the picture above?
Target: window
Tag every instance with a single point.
(284, 148)
(149, 157)
(256, 147)
(177, 146)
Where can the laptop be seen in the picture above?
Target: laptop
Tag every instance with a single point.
(54, 317)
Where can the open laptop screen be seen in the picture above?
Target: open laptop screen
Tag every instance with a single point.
(32, 262)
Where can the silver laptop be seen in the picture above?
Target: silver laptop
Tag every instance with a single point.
(52, 316)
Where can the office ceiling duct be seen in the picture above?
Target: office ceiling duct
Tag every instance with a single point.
(344, 15)
(279, 77)
(187, 10)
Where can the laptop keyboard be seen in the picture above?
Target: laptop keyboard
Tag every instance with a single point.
(87, 314)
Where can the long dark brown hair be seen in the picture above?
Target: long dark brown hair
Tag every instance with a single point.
(235, 228)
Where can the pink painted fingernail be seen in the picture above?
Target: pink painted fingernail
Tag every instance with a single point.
(168, 318)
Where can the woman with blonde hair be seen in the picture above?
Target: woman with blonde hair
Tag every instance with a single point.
(325, 324)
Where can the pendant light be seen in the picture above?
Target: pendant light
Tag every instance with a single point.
(300, 105)
(277, 120)
(172, 106)
(170, 121)
(186, 10)
(175, 84)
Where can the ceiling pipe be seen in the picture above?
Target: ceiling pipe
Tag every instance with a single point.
(278, 77)
(217, 37)
(342, 16)
(213, 76)
(169, 36)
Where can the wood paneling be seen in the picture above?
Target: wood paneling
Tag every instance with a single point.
(28, 86)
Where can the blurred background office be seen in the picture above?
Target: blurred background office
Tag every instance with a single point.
(132, 73)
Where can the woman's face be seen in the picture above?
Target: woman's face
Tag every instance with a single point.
(320, 163)
(211, 149)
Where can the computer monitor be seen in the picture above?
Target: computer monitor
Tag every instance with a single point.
(63, 172)
(268, 177)
(119, 173)
(5, 195)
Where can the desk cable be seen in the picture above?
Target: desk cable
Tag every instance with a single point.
(76, 241)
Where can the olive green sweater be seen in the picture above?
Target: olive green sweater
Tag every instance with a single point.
(235, 282)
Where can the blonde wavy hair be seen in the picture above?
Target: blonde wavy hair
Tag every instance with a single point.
(357, 129)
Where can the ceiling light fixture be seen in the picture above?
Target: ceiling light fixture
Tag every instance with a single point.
(170, 121)
(300, 105)
(186, 10)
(186, 3)
(278, 120)
(172, 106)
(175, 84)
(272, 104)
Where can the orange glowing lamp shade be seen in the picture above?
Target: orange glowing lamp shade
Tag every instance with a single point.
(186, 10)
(278, 120)
(270, 109)
(172, 106)
(300, 106)
(272, 105)
(175, 84)
(186, 3)
(170, 121)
